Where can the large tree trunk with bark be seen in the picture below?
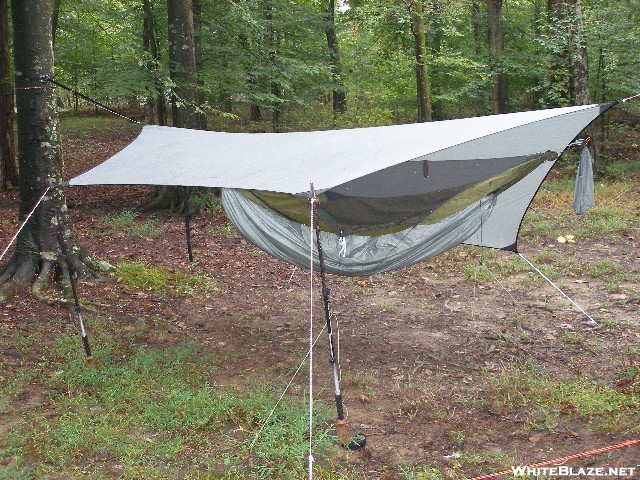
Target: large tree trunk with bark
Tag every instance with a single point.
(422, 75)
(156, 104)
(579, 58)
(184, 99)
(199, 63)
(500, 90)
(339, 93)
(8, 165)
(38, 254)
(559, 91)
(182, 63)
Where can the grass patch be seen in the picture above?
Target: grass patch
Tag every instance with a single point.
(127, 222)
(621, 170)
(551, 214)
(140, 275)
(530, 390)
(154, 413)
(86, 125)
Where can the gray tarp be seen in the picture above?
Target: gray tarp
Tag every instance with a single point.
(289, 162)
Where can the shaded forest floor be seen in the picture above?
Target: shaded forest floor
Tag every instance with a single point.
(465, 364)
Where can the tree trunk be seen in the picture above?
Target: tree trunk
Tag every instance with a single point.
(559, 91)
(579, 58)
(479, 36)
(157, 108)
(199, 65)
(339, 93)
(437, 105)
(38, 249)
(182, 63)
(537, 94)
(500, 90)
(54, 20)
(276, 91)
(8, 167)
(182, 69)
(422, 74)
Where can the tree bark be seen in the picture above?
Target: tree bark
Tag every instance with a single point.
(422, 75)
(8, 167)
(579, 58)
(37, 257)
(184, 100)
(339, 93)
(157, 108)
(54, 20)
(182, 63)
(199, 63)
(500, 90)
(559, 91)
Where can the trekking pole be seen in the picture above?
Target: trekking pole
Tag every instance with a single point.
(65, 254)
(359, 441)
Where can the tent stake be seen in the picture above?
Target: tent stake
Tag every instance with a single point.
(65, 254)
(359, 440)
(187, 221)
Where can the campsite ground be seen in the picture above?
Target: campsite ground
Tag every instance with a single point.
(465, 364)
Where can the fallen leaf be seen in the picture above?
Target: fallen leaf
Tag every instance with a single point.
(535, 438)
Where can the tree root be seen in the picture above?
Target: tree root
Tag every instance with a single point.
(16, 276)
(164, 197)
(19, 275)
(43, 280)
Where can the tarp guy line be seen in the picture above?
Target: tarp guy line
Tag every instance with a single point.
(13, 239)
(591, 320)
(312, 205)
(561, 460)
(284, 392)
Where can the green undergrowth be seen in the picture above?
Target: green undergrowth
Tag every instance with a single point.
(551, 214)
(140, 275)
(127, 221)
(151, 412)
(606, 407)
(86, 126)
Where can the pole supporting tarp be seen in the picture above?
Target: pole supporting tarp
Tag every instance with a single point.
(359, 441)
(187, 221)
(327, 313)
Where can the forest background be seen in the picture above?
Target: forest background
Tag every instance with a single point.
(291, 65)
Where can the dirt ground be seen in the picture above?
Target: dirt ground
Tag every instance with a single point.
(418, 347)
